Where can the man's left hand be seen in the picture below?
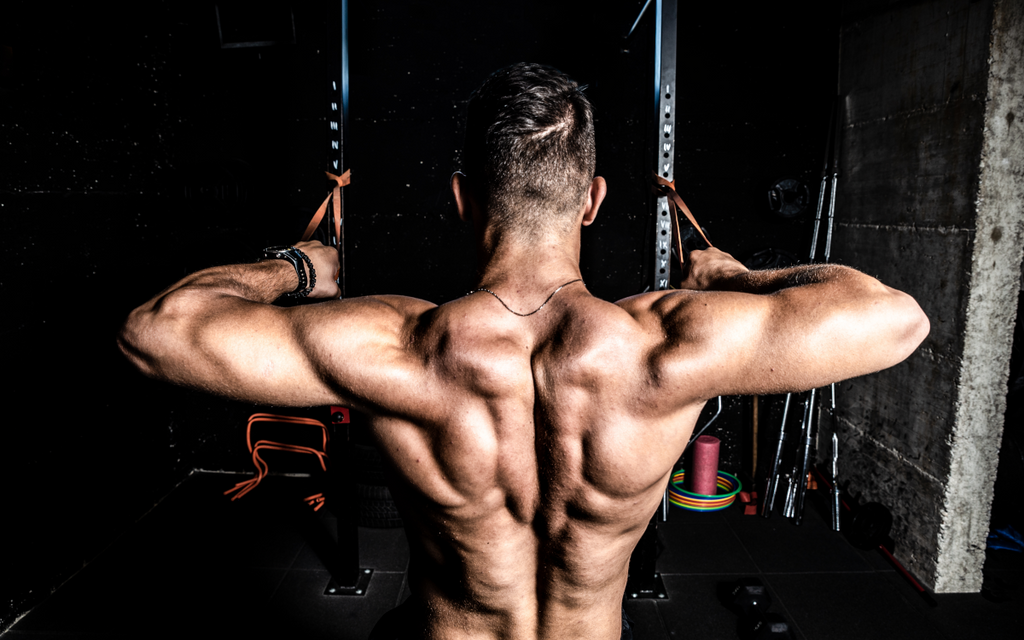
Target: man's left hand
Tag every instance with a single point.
(327, 265)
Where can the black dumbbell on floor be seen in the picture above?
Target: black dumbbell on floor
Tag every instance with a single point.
(750, 600)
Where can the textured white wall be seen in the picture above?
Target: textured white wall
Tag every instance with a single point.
(991, 306)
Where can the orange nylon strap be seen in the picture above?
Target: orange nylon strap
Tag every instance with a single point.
(335, 194)
(245, 486)
(316, 501)
(668, 189)
(271, 417)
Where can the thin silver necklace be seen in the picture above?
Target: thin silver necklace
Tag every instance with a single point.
(523, 315)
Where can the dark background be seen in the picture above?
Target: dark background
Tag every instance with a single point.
(135, 149)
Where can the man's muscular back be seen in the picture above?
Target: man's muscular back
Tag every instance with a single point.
(530, 454)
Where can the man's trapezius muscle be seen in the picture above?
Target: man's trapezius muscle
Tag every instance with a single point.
(530, 428)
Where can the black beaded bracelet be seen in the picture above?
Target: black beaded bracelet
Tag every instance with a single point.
(303, 290)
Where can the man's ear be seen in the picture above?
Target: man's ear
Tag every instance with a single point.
(595, 196)
(463, 198)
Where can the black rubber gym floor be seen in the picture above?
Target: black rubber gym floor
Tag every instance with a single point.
(199, 566)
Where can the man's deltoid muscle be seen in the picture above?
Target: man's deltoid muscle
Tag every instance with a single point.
(530, 428)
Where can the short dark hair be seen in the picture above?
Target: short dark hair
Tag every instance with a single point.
(530, 147)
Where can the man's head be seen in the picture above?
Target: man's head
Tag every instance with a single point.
(530, 149)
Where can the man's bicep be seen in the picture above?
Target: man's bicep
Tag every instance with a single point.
(283, 357)
(725, 343)
(245, 351)
(766, 345)
(806, 337)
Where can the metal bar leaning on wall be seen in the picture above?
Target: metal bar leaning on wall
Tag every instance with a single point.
(797, 486)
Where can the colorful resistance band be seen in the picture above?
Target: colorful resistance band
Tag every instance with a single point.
(699, 502)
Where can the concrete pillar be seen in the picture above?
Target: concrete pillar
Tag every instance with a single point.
(930, 201)
(991, 310)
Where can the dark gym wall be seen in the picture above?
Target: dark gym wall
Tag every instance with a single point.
(135, 149)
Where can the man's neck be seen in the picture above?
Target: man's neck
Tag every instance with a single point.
(520, 271)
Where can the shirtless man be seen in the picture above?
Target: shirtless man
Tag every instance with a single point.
(531, 428)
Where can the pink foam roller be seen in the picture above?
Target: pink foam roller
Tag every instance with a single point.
(705, 466)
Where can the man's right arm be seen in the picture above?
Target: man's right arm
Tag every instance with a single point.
(216, 330)
(733, 331)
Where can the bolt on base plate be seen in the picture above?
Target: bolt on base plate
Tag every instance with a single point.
(652, 591)
(333, 589)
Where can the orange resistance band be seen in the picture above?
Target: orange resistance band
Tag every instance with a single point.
(316, 500)
(335, 195)
(668, 189)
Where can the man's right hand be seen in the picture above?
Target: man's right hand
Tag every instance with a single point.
(709, 269)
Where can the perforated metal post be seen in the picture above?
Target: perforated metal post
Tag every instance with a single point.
(347, 577)
(644, 579)
(664, 133)
(337, 115)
